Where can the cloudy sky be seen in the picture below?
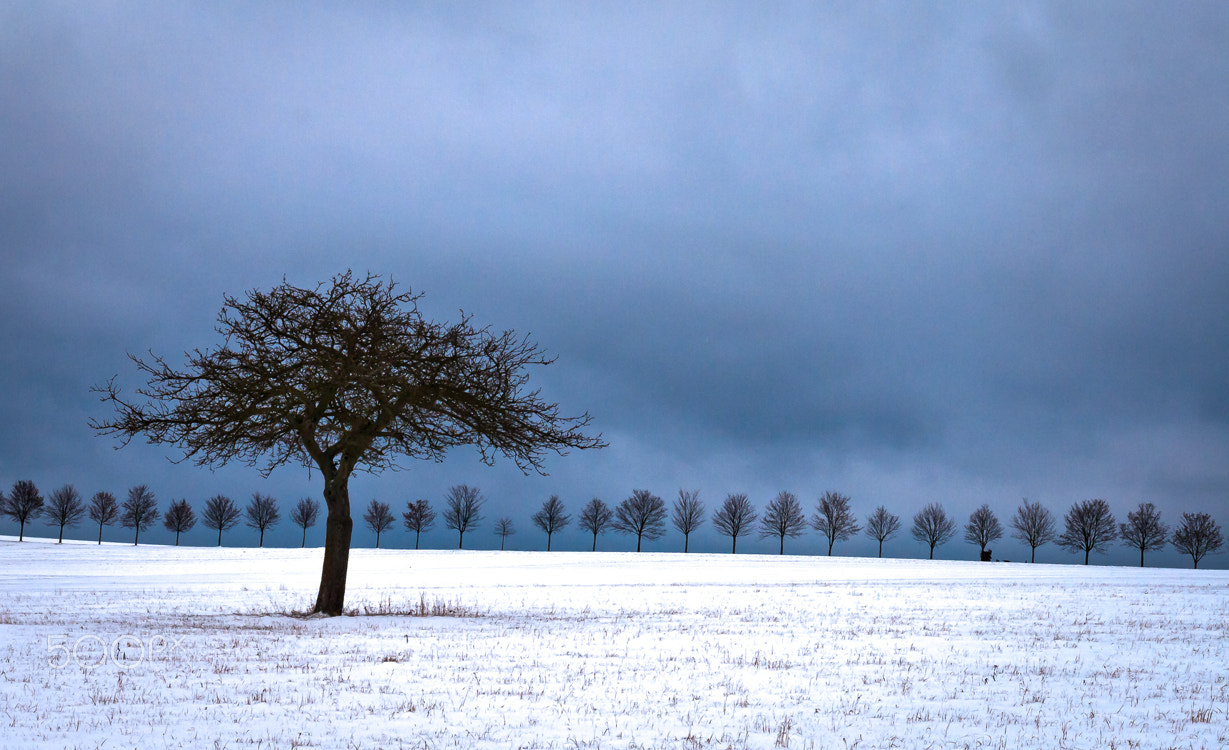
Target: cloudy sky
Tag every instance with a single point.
(964, 254)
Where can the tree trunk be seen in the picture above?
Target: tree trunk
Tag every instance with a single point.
(594, 542)
(176, 538)
(685, 539)
(338, 527)
(881, 548)
(1141, 557)
(219, 536)
(638, 542)
(262, 537)
(100, 534)
(416, 535)
(734, 545)
(782, 552)
(377, 540)
(1086, 551)
(21, 531)
(1033, 559)
(932, 552)
(831, 541)
(137, 537)
(62, 537)
(304, 544)
(547, 542)
(461, 540)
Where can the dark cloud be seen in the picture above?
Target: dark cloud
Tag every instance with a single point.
(956, 254)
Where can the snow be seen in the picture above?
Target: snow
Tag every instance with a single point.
(116, 646)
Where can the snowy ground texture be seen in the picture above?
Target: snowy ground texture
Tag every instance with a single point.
(160, 647)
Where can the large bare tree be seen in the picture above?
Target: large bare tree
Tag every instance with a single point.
(345, 376)
(933, 527)
(783, 517)
(1034, 525)
(881, 526)
(462, 510)
(179, 517)
(379, 517)
(834, 519)
(64, 508)
(983, 528)
(734, 518)
(551, 518)
(22, 504)
(418, 517)
(595, 518)
(104, 510)
(1089, 526)
(220, 514)
(1144, 530)
(1197, 536)
(138, 511)
(688, 515)
(642, 514)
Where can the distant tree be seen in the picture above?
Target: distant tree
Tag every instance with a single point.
(104, 510)
(1143, 530)
(1197, 536)
(595, 518)
(1090, 526)
(688, 514)
(734, 518)
(221, 514)
(1034, 526)
(551, 518)
(782, 518)
(642, 514)
(139, 511)
(881, 526)
(179, 518)
(345, 376)
(505, 529)
(933, 527)
(379, 517)
(983, 528)
(305, 514)
(262, 514)
(64, 508)
(418, 518)
(463, 510)
(833, 518)
(23, 503)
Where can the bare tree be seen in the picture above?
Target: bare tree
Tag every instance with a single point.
(262, 514)
(595, 518)
(342, 377)
(139, 511)
(783, 517)
(933, 527)
(379, 517)
(418, 518)
(642, 514)
(305, 514)
(688, 514)
(983, 528)
(505, 529)
(463, 510)
(734, 518)
(833, 518)
(881, 526)
(179, 518)
(64, 508)
(22, 504)
(1034, 526)
(221, 514)
(1197, 536)
(104, 510)
(551, 518)
(1144, 530)
(1090, 526)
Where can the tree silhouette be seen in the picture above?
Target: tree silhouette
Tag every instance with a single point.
(1090, 526)
(305, 514)
(221, 514)
(688, 514)
(1197, 536)
(642, 514)
(734, 518)
(881, 526)
(103, 510)
(379, 517)
(139, 511)
(64, 508)
(833, 518)
(346, 376)
(179, 518)
(550, 518)
(22, 504)
(262, 514)
(505, 529)
(595, 518)
(462, 510)
(1034, 526)
(1144, 530)
(933, 527)
(782, 518)
(983, 528)
(418, 518)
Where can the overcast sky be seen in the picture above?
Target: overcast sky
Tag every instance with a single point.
(965, 254)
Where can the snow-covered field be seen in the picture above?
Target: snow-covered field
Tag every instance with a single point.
(152, 647)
